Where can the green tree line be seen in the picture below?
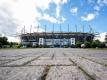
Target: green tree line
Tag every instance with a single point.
(91, 44)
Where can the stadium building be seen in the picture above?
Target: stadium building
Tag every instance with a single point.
(55, 39)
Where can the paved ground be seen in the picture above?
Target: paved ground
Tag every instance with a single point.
(53, 64)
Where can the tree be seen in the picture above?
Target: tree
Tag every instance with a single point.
(102, 45)
(87, 44)
(29, 45)
(19, 45)
(0, 45)
(78, 44)
(13, 44)
(3, 41)
(97, 43)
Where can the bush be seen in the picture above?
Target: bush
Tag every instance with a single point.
(19, 45)
(78, 44)
(0, 45)
(87, 44)
(40, 46)
(90, 44)
(13, 44)
(102, 45)
(35, 46)
(29, 45)
(72, 46)
(3, 41)
(65, 46)
(97, 43)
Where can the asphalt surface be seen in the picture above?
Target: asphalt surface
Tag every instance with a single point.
(53, 64)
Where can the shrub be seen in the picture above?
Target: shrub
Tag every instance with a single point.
(78, 44)
(87, 44)
(29, 45)
(97, 43)
(102, 45)
(3, 41)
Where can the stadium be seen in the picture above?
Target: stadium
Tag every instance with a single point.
(55, 39)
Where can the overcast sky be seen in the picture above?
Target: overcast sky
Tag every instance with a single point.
(15, 14)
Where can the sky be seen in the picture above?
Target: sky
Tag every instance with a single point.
(15, 15)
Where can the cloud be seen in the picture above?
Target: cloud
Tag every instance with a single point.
(97, 8)
(57, 18)
(105, 1)
(21, 11)
(63, 19)
(43, 4)
(14, 14)
(58, 11)
(88, 17)
(98, 5)
(64, 1)
(13, 39)
(52, 19)
(58, 6)
(74, 10)
(102, 2)
(49, 18)
(8, 23)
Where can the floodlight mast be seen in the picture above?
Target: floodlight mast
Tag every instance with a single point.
(76, 28)
(83, 28)
(38, 33)
(45, 34)
(24, 29)
(60, 34)
(30, 29)
(68, 35)
(53, 35)
(91, 29)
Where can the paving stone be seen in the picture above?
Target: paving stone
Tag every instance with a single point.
(44, 58)
(96, 71)
(102, 61)
(21, 73)
(60, 62)
(4, 60)
(51, 62)
(65, 73)
(19, 62)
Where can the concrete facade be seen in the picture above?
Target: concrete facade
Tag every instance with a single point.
(55, 39)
